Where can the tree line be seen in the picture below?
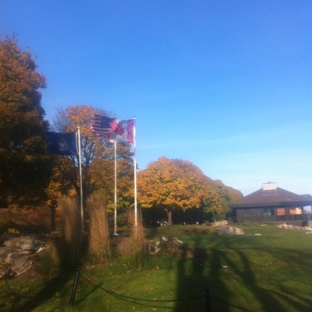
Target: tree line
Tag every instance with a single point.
(168, 189)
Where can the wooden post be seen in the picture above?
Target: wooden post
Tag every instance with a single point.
(72, 299)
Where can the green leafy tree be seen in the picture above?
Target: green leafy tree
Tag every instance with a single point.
(227, 195)
(24, 164)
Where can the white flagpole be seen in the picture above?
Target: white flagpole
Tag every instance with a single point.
(135, 178)
(115, 191)
(80, 174)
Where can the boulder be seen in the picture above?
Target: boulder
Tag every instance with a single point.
(24, 243)
(170, 246)
(229, 230)
(293, 227)
(16, 252)
(220, 223)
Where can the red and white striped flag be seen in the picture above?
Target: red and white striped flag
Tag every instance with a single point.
(103, 125)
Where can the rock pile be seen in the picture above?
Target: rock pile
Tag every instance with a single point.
(229, 230)
(16, 252)
(223, 228)
(220, 223)
(170, 246)
(293, 227)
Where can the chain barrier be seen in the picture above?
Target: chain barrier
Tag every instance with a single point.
(139, 299)
(208, 296)
(10, 291)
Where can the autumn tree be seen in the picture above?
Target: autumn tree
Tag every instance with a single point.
(24, 165)
(227, 195)
(97, 159)
(176, 184)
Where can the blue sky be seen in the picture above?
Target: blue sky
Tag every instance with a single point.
(226, 85)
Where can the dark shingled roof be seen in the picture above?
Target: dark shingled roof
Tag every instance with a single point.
(277, 197)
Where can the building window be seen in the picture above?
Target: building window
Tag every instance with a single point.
(294, 211)
(280, 211)
(268, 212)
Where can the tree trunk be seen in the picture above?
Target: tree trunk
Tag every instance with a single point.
(53, 215)
(169, 214)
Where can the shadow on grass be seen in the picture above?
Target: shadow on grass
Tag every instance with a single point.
(191, 280)
(48, 292)
(269, 300)
(208, 267)
(245, 272)
(96, 287)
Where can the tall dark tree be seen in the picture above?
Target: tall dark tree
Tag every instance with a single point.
(24, 165)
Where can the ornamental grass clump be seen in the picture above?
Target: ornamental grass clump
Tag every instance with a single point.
(72, 237)
(137, 240)
(99, 241)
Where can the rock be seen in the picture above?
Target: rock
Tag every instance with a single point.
(16, 252)
(25, 243)
(176, 241)
(19, 264)
(292, 227)
(229, 230)
(220, 223)
(170, 246)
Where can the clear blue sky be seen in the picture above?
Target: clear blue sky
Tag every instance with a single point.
(226, 85)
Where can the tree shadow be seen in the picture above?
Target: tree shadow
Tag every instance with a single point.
(245, 272)
(268, 300)
(51, 288)
(191, 279)
(95, 288)
(211, 266)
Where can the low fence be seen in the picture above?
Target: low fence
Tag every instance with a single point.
(207, 296)
(209, 301)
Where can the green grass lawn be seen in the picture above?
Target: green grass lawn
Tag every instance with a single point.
(267, 272)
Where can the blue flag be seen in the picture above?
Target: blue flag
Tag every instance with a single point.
(61, 143)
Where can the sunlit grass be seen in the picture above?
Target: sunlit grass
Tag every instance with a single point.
(267, 272)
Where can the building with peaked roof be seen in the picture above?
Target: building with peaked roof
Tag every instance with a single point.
(272, 204)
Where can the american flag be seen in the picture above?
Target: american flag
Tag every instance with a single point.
(103, 125)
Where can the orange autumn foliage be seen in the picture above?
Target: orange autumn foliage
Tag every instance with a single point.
(173, 183)
(24, 165)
